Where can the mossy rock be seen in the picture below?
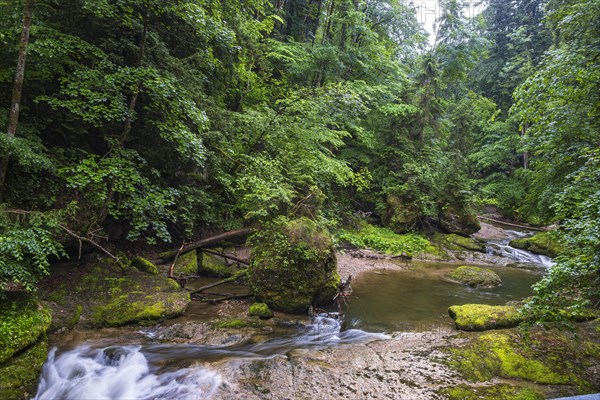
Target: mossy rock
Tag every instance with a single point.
(501, 391)
(540, 356)
(400, 215)
(102, 295)
(474, 276)
(19, 375)
(212, 265)
(293, 265)
(456, 242)
(541, 243)
(260, 310)
(22, 321)
(144, 265)
(186, 264)
(458, 220)
(481, 317)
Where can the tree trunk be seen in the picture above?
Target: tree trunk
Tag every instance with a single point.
(13, 116)
(236, 234)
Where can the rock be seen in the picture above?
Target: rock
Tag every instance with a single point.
(499, 391)
(541, 243)
(260, 310)
(540, 356)
(212, 265)
(456, 242)
(481, 317)
(461, 221)
(293, 265)
(186, 264)
(474, 276)
(19, 375)
(23, 320)
(400, 215)
(101, 295)
(142, 264)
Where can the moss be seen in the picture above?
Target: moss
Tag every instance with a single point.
(103, 296)
(22, 321)
(231, 324)
(502, 391)
(141, 264)
(400, 215)
(211, 265)
(481, 317)
(458, 219)
(293, 265)
(474, 276)
(187, 263)
(541, 243)
(508, 354)
(459, 243)
(260, 310)
(19, 376)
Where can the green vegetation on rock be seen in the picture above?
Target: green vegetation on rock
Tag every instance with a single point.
(22, 321)
(481, 317)
(501, 391)
(260, 310)
(293, 265)
(103, 296)
(19, 375)
(186, 264)
(212, 265)
(458, 243)
(474, 276)
(144, 265)
(386, 240)
(547, 357)
(541, 243)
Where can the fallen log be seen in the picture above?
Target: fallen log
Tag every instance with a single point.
(237, 297)
(232, 278)
(210, 241)
(227, 256)
(531, 228)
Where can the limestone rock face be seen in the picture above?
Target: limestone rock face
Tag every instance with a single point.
(293, 265)
(400, 215)
(458, 220)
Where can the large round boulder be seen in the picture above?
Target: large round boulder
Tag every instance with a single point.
(293, 265)
(459, 220)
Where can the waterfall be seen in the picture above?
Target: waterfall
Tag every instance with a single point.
(502, 248)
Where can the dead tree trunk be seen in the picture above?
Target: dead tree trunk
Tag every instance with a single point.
(236, 234)
(15, 104)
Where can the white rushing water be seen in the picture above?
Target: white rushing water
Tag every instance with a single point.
(168, 371)
(502, 248)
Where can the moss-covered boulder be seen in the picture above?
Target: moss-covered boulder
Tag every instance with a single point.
(213, 265)
(456, 242)
(102, 295)
(459, 220)
(543, 243)
(493, 392)
(23, 320)
(260, 310)
(400, 215)
(144, 265)
(546, 357)
(481, 317)
(19, 375)
(186, 264)
(293, 265)
(474, 276)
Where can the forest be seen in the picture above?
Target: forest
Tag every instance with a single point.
(148, 124)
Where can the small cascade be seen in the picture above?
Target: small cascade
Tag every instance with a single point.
(501, 248)
(120, 372)
(170, 371)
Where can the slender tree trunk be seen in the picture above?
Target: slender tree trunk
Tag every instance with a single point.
(13, 116)
(525, 153)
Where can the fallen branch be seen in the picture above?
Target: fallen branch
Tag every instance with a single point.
(172, 267)
(96, 245)
(232, 278)
(227, 256)
(235, 234)
(531, 228)
(214, 301)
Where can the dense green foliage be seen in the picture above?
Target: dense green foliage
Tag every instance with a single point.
(153, 121)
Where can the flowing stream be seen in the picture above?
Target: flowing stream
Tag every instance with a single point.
(383, 301)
